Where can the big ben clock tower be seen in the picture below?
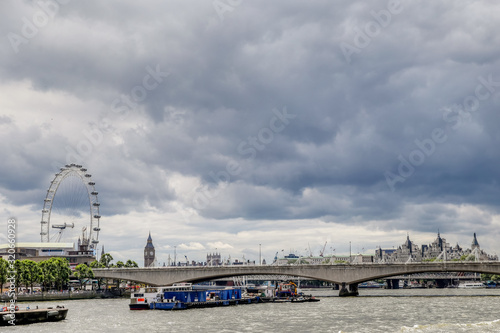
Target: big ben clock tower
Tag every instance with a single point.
(149, 253)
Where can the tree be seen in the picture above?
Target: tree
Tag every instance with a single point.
(106, 260)
(83, 272)
(32, 273)
(119, 264)
(131, 263)
(4, 270)
(19, 267)
(96, 264)
(485, 277)
(47, 274)
(61, 269)
(468, 257)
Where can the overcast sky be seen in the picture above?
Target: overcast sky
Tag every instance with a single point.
(222, 125)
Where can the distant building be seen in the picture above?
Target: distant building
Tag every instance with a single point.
(149, 253)
(293, 259)
(361, 259)
(44, 251)
(407, 251)
(214, 259)
(438, 249)
(380, 253)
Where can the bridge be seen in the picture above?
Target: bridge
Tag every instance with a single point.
(346, 275)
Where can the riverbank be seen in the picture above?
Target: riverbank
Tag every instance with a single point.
(65, 295)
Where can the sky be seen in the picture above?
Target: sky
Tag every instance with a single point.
(246, 127)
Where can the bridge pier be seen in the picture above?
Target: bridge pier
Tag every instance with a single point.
(392, 283)
(352, 291)
(442, 283)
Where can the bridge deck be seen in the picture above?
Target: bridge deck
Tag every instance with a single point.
(339, 273)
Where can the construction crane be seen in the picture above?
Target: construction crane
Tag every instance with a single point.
(61, 227)
(321, 253)
(275, 258)
(295, 288)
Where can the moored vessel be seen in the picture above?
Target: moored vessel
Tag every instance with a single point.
(32, 315)
(471, 285)
(289, 292)
(183, 296)
(141, 300)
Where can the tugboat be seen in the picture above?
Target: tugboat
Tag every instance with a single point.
(31, 315)
(288, 292)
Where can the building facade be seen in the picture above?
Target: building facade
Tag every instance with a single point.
(438, 249)
(214, 259)
(44, 251)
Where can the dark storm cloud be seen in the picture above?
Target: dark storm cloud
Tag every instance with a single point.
(353, 116)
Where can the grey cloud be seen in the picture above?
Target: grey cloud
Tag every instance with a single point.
(352, 121)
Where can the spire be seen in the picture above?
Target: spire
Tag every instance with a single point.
(439, 241)
(475, 243)
(149, 243)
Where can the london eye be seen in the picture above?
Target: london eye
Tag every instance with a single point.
(71, 203)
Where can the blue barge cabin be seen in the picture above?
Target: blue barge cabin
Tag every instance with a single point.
(176, 300)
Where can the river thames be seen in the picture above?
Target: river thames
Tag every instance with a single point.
(404, 310)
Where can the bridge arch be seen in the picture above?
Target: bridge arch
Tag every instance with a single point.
(437, 269)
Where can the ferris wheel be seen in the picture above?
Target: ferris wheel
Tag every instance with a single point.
(71, 201)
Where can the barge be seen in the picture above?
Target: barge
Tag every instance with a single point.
(30, 316)
(183, 296)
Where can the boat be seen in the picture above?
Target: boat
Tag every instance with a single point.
(416, 285)
(288, 292)
(370, 284)
(29, 315)
(471, 285)
(251, 290)
(141, 299)
(491, 284)
(183, 296)
(172, 299)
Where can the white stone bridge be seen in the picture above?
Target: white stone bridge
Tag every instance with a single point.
(342, 274)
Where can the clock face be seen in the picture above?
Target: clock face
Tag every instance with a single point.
(151, 253)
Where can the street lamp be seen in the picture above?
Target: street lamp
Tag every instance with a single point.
(349, 251)
(260, 255)
(175, 255)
